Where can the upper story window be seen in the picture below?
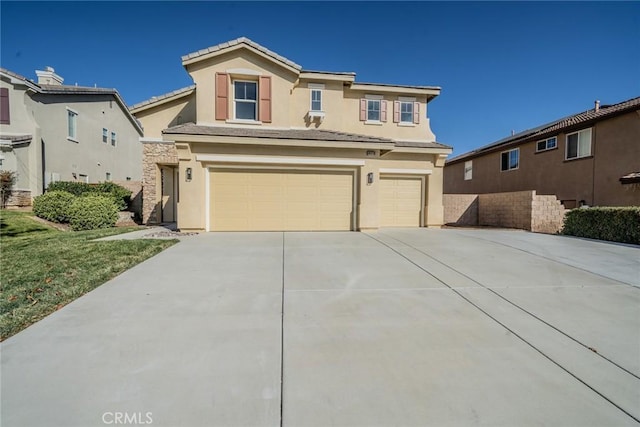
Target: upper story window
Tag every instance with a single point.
(373, 110)
(510, 160)
(578, 144)
(245, 100)
(406, 112)
(72, 124)
(105, 134)
(547, 144)
(316, 99)
(4, 106)
(113, 139)
(468, 170)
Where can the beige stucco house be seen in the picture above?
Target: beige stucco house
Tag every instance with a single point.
(259, 143)
(55, 132)
(590, 158)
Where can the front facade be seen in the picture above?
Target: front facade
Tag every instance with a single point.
(53, 132)
(258, 143)
(585, 159)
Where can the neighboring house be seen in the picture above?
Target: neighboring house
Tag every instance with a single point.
(590, 158)
(54, 132)
(258, 143)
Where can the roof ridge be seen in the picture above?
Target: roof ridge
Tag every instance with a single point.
(166, 95)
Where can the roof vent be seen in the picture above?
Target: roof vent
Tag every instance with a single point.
(49, 77)
(597, 105)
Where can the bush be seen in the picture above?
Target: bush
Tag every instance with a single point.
(121, 196)
(613, 224)
(7, 180)
(75, 188)
(93, 211)
(53, 205)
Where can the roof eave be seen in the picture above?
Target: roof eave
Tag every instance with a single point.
(144, 105)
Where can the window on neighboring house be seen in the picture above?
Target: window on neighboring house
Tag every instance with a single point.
(107, 176)
(84, 178)
(245, 100)
(547, 144)
(316, 99)
(105, 135)
(579, 144)
(72, 124)
(406, 112)
(510, 160)
(468, 170)
(5, 118)
(373, 110)
(113, 139)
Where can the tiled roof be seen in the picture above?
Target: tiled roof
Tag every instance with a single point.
(77, 90)
(338, 73)
(241, 40)
(14, 75)
(403, 86)
(159, 98)
(17, 139)
(415, 144)
(554, 127)
(304, 134)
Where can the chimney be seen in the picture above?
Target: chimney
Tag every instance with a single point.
(49, 77)
(597, 107)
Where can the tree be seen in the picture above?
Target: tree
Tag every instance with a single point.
(7, 180)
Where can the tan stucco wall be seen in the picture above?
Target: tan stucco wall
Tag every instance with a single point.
(172, 113)
(593, 179)
(192, 201)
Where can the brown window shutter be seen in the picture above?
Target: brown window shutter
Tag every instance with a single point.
(416, 112)
(363, 110)
(396, 111)
(264, 89)
(222, 96)
(383, 111)
(4, 106)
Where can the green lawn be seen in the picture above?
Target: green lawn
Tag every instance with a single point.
(43, 269)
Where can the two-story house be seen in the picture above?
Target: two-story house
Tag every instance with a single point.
(590, 158)
(55, 132)
(259, 143)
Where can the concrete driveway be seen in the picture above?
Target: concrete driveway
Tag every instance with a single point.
(403, 327)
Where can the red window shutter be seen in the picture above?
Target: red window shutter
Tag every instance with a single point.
(264, 108)
(383, 111)
(396, 111)
(222, 96)
(4, 106)
(363, 110)
(416, 112)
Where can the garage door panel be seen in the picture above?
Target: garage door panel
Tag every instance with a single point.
(260, 200)
(400, 201)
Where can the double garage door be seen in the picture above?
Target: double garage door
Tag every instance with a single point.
(296, 200)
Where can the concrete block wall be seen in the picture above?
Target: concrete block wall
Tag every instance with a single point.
(520, 209)
(511, 210)
(153, 155)
(460, 209)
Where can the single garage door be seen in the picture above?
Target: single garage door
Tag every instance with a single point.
(280, 200)
(400, 201)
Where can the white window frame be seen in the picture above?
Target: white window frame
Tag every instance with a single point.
(546, 144)
(468, 170)
(509, 168)
(105, 135)
(578, 156)
(255, 102)
(72, 113)
(113, 139)
(405, 100)
(315, 87)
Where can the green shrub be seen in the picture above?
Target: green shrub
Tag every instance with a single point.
(93, 211)
(120, 195)
(53, 205)
(75, 188)
(614, 224)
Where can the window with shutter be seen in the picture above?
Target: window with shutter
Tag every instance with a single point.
(222, 96)
(5, 118)
(265, 99)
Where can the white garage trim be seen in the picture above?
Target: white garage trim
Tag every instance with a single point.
(211, 168)
(223, 158)
(406, 171)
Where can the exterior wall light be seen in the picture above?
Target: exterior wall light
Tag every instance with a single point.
(370, 178)
(188, 174)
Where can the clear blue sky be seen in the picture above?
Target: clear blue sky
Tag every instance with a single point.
(502, 66)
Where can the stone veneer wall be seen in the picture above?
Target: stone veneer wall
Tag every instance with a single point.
(153, 155)
(136, 195)
(460, 209)
(19, 198)
(520, 209)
